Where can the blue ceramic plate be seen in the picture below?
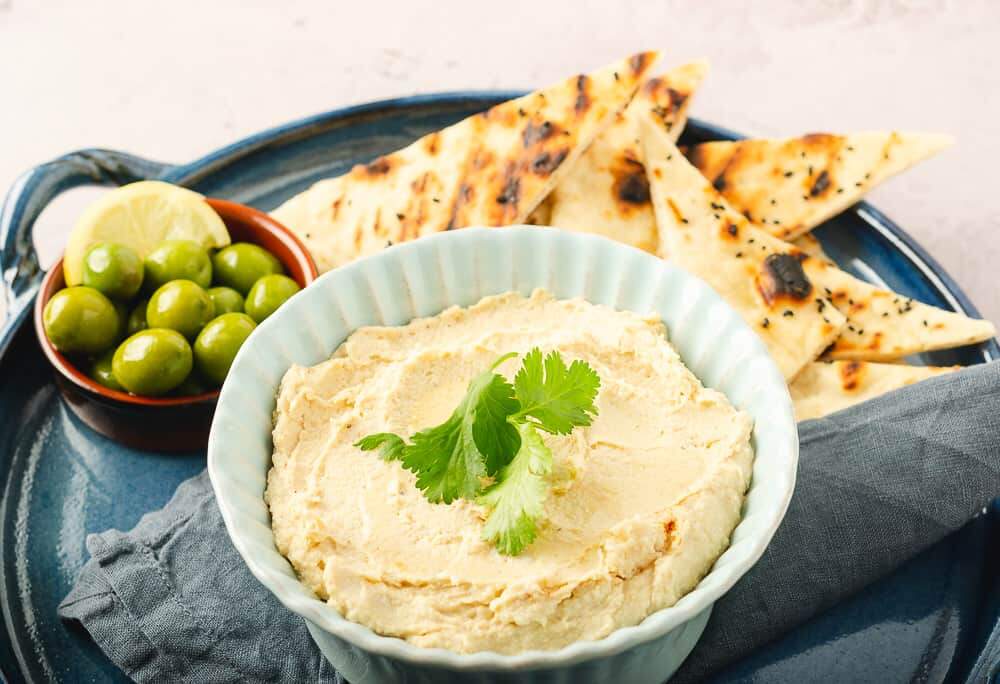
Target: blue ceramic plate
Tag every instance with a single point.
(928, 622)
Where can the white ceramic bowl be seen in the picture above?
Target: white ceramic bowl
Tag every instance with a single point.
(421, 278)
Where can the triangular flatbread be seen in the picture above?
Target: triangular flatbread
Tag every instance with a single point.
(490, 169)
(811, 245)
(757, 274)
(606, 192)
(823, 388)
(791, 186)
(883, 325)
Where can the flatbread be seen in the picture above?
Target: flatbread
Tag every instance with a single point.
(811, 245)
(542, 214)
(823, 388)
(490, 169)
(606, 192)
(757, 274)
(790, 186)
(883, 325)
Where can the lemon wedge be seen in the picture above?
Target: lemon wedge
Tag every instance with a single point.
(141, 216)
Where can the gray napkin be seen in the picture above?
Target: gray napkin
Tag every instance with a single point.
(878, 483)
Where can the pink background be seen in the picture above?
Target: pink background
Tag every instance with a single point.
(174, 80)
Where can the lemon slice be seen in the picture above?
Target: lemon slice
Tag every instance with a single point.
(141, 216)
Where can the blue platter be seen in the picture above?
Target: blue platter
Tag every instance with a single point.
(928, 622)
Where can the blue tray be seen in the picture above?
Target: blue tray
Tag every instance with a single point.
(928, 622)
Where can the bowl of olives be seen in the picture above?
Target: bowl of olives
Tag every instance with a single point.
(143, 339)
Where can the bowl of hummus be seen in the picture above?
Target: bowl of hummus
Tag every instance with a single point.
(644, 514)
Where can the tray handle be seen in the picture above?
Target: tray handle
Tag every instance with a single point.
(26, 199)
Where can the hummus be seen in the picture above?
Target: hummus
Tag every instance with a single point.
(642, 504)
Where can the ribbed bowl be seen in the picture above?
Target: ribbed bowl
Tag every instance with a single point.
(423, 277)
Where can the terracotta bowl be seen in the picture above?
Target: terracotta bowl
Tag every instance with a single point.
(168, 423)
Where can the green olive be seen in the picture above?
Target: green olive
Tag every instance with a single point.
(267, 294)
(152, 362)
(216, 346)
(242, 264)
(80, 320)
(193, 384)
(178, 260)
(226, 300)
(180, 305)
(137, 319)
(114, 270)
(102, 372)
(121, 310)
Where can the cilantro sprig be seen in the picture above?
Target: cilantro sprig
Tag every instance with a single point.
(490, 450)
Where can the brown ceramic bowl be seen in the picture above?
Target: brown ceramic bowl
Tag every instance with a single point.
(167, 423)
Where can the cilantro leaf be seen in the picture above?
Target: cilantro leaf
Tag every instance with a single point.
(496, 439)
(494, 433)
(390, 447)
(519, 494)
(557, 397)
(451, 459)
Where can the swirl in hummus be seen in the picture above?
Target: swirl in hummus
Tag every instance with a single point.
(643, 501)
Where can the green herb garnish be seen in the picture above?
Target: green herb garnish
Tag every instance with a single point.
(490, 449)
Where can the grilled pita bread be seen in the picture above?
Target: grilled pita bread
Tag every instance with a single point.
(823, 388)
(759, 275)
(606, 192)
(883, 325)
(490, 169)
(788, 187)
(811, 245)
(542, 214)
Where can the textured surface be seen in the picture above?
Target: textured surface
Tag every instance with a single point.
(212, 72)
(61, 482)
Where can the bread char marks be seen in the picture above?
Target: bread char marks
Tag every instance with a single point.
(782, 279)
(544, 147)
(823, 388)
(492, 168)
(789, 186)
(761, 276)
